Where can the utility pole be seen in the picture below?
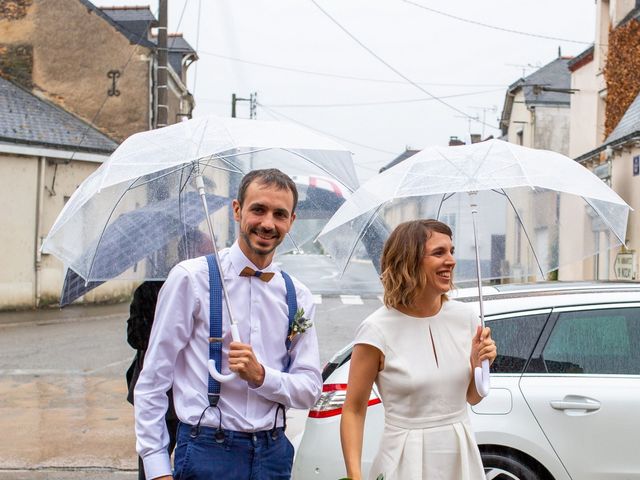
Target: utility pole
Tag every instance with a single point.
(162, 87)
(234, 178)
(253, 104)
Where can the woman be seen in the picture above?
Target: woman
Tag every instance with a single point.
(420, 349)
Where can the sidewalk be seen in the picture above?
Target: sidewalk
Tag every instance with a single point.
(63, 411)
(68, 314)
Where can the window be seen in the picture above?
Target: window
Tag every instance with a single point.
(595, 342)
(515, 338)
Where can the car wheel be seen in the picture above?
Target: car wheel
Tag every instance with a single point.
(506, 467)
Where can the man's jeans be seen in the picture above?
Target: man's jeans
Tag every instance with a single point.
(264, 455)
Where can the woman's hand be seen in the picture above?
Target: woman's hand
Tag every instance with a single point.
(483, 347)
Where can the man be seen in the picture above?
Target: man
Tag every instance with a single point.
(240, 435)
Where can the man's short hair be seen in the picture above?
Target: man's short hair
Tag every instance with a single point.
(271, 177)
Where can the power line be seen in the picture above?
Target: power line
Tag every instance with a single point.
(173, 39)
(195, 73)
(494, 27)
(387, 102)
(343, 76)
(293, 120)
(389, 66)
(276, 117)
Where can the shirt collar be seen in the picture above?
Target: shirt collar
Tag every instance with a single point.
(239, 261)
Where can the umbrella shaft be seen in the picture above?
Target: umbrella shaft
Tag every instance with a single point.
(201, 192)
(474, 213)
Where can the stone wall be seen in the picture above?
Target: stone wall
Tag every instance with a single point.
(65, 52)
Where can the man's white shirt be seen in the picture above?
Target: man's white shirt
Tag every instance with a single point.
(179, 350)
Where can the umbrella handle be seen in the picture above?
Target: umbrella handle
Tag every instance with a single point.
(211, 364)
(482, 379)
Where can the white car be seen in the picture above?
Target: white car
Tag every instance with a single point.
(565, 389)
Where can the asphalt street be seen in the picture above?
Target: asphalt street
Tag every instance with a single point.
(63, 409)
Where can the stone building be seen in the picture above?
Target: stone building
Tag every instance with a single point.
(75, 80)
(98, 63)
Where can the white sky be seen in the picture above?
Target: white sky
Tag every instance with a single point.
(446, 56)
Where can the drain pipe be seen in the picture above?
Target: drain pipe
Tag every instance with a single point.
(38, 230)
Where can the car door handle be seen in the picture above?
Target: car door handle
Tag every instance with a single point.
(586, 404)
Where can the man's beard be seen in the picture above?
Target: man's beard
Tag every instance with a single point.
(255, 248)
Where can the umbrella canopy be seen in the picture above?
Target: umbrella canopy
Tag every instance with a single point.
(142, 201)
(536, 209)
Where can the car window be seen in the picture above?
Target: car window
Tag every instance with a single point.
(515, 338)
(594, 342)
(339, 358)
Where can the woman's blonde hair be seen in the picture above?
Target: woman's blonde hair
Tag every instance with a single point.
(401, 264)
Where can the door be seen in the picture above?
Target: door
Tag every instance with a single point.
(583, 387)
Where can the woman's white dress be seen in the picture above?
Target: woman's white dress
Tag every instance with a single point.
(423, 386)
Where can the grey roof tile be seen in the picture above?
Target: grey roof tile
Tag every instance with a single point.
(177, 43)
(628, 124)
(134, 36)
(540, 87)
(135, 21)
(27, 119)
(403, 156)
(129, 14)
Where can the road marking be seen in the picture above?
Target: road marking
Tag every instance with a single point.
(317, 299)
(351, 299)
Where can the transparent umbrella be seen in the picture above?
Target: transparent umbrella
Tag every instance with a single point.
(154, 173)
(515, 212)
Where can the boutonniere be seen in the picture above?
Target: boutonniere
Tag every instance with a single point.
(300, 324)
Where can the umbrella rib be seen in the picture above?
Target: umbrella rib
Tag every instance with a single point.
(604, 219)
(444, 199)
(351, 190)
(359, 237)
(324, 170)
(484, 159)
(526, 234)
(462, 172)
(524, 174)
(170, 172)
(180, 206)
(93, 258)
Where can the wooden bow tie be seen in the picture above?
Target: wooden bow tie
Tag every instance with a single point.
(250, 272)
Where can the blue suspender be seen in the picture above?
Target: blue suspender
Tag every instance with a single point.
(215, 327)
(215, 323)
(292, 303)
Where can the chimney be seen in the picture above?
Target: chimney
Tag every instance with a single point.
(455, 141)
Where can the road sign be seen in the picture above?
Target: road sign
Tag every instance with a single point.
(624, 266)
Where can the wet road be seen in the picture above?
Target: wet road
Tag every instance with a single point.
(63, 411)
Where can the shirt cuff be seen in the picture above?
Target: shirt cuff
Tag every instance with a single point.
(157, 465)
(271, 383)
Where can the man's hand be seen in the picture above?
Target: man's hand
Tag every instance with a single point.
(243, 361)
